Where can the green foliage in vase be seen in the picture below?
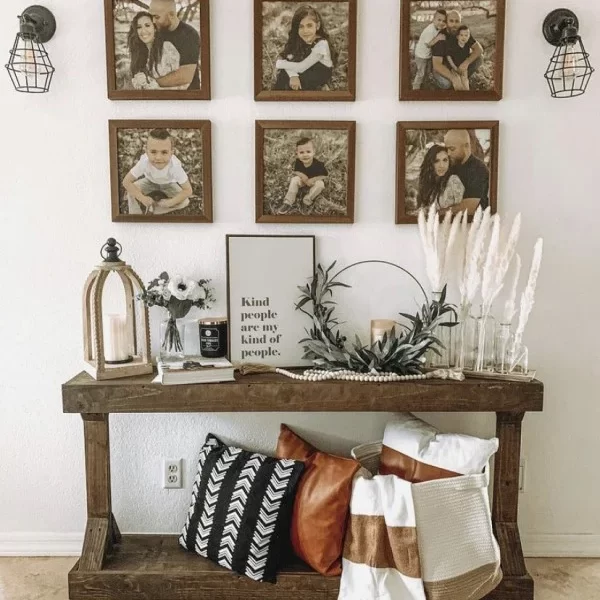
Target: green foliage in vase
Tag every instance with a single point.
(403, 353)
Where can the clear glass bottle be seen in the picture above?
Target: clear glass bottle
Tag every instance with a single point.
(519, 358)
(486, 333)
(464, 339)
(502, 348)
(446, 337)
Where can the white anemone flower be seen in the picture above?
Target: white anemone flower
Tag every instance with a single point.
(180, 287)
(196, 292)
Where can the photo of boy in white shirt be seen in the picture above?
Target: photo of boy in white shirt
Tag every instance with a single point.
(432, 34)
(158, 182)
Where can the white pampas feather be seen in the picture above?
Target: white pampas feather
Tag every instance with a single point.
(452, 242)
(490, 267)
(461, 248)
(437, 241)
(427, 234)
(528, 296)
(510, 306)
(474, 258)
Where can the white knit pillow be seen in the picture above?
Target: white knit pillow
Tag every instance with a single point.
(455, 452)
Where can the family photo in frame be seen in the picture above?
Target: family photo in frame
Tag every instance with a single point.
(305, 50)
(305, 171)
(161, 171)
(452, 165)
(452, 49)
(158, 49)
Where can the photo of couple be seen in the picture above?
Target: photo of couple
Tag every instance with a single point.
(452, 46)
(306, 49)
(305, 174)
(157, 47)
(161, 170)
(453, 168)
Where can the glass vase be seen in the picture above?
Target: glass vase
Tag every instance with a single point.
(172, 335)
(444, 334)
(518, 358)
(467, 341)
(502, 348)
(486, 333)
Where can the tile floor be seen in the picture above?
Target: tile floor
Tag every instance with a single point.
(46, 578)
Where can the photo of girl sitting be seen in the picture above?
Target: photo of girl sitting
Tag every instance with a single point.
(309, 56)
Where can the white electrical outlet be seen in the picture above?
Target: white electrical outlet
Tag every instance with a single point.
(522, 464)
(172, 473)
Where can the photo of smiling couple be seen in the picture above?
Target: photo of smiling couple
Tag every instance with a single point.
(453, 168)
(157, 45)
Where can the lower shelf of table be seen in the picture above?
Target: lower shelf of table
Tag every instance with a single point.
(155, 567)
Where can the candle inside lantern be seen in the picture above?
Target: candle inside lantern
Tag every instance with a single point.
(116, 347)
(379, 327)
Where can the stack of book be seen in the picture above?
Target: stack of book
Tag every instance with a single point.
(194, 369)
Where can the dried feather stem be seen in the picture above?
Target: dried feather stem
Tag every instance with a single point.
(475, 257)
(527, 298)
(510, 305)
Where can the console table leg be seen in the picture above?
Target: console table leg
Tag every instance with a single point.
(101, 529)
(505, 507)
(114, 528)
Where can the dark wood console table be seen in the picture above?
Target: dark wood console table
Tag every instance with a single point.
(154, 567)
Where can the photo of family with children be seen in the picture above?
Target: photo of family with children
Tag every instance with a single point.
(157, 44)
(306, 174)
(305, 46)
(160, 172)
(449, 168)
(453, 44)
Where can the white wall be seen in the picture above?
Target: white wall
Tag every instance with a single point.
(56, 214)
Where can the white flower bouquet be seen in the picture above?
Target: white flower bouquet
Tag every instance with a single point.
(178, 295)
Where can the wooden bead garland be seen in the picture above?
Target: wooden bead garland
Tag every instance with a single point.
(346, 375)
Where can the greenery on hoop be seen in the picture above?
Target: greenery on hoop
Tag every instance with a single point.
(403, 354)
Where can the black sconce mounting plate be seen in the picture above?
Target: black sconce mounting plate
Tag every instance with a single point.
(44, 21)
(555, 22)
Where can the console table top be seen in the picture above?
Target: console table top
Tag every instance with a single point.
(277, 393)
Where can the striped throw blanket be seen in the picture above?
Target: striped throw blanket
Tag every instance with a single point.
(381, 556)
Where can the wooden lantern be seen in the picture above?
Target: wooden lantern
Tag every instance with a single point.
(115, 345)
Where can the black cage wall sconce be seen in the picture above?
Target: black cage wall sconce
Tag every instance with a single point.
(29, 65)
(569, 71)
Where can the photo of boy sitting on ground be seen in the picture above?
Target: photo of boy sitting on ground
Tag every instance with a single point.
(157, 184)
(309, 174)
(305, 173)
(161, 172)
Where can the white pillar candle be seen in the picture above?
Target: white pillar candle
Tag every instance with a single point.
(115, 338)
(379, 327)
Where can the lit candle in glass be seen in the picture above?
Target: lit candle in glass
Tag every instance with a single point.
(379, 327)
(116, 347)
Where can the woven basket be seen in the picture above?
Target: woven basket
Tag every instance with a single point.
(459, 555)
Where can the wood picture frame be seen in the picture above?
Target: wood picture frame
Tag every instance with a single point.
(445, 142)
(338, 18)
(194, 14)
(333, 152)
(128, 141)
(485, 78)
(263, 275)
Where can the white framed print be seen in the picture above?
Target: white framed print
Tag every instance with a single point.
(263, 275)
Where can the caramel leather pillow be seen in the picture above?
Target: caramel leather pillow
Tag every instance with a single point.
(322, 503)
(417, 452)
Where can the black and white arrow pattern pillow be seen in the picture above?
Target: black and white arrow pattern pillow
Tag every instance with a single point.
(241, 509)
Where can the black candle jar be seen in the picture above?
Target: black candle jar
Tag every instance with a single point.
(213, 337)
